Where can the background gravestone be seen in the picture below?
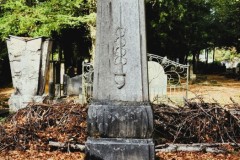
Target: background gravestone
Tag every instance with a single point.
(120, 118)
(157, 81)
(29, 59)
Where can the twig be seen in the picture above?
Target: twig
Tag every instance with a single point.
(67, 145)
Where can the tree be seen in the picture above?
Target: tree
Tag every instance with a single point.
(180, 28)
(226, 17)
(67, 22)
(41, 18)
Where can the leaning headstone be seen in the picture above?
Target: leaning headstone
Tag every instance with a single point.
(29, 60)
(120, 118)
(157, 81)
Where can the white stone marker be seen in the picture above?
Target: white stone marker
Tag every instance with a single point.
(120, 114)
(157, 81)
(29, 59)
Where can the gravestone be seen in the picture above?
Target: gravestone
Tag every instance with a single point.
(157, 81)
(192, 76)
(73, 86)
(120, 118)
(29, 58)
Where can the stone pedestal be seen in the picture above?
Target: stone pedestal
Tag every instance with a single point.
(120, 119)
(126, 129)
(29, 59)
(120, 149)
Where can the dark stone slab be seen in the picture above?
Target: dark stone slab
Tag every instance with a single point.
(51, 90)
(124, 120)
(119, 149)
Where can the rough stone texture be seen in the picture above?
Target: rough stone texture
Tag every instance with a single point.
(73, 86)
(57, 91)
(120, 149)
(120, 120)
(120, 61)
(157, 80)
(46, 50)
(28, 61)
(120, 106)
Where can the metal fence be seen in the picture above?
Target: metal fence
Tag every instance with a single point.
(177, 80)
(87, 81)
(176, 86)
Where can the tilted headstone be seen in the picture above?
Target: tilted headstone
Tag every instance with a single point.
(120, 118)
(157, 81)
(29, 59)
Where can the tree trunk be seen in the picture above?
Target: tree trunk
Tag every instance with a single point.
(214, 50)
(194, 62)
(206, 55)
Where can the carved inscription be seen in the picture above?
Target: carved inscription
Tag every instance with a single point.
(119, 57)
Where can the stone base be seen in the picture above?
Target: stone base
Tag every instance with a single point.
(119, 149)
(120, 120)
(17, 102)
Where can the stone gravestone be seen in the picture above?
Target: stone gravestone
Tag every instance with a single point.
(29, 60)
(192, 76)
(157, 81)
(73, 86)
(120, 118)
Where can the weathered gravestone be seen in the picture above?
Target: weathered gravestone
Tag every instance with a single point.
(157, 81)
(120, 118)
(29, 64)
(72, 86)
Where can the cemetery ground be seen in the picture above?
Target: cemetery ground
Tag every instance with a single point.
(26, 134)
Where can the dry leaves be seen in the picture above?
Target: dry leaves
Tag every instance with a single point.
(197, 156)
(25, 135)
(33, 127)
(31, 154)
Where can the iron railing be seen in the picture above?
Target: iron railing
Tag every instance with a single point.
(177, 80)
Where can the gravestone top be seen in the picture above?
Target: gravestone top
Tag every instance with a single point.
(157, 81)
(121, 60)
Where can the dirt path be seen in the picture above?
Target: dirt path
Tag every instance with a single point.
(217, 88)
(214, 88)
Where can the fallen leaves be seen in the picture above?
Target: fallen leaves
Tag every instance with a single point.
(26, 134)
(196, 156)
(34, 126)
(31, 154)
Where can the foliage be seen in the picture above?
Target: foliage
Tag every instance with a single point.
(174, 28)
(179, 28)
(41, 18)
(226, 16)
(226, 54)
(179, 25)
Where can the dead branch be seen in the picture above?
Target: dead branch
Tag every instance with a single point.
(67, 145)
(212, 148)
(197, 123)
(34, 126)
